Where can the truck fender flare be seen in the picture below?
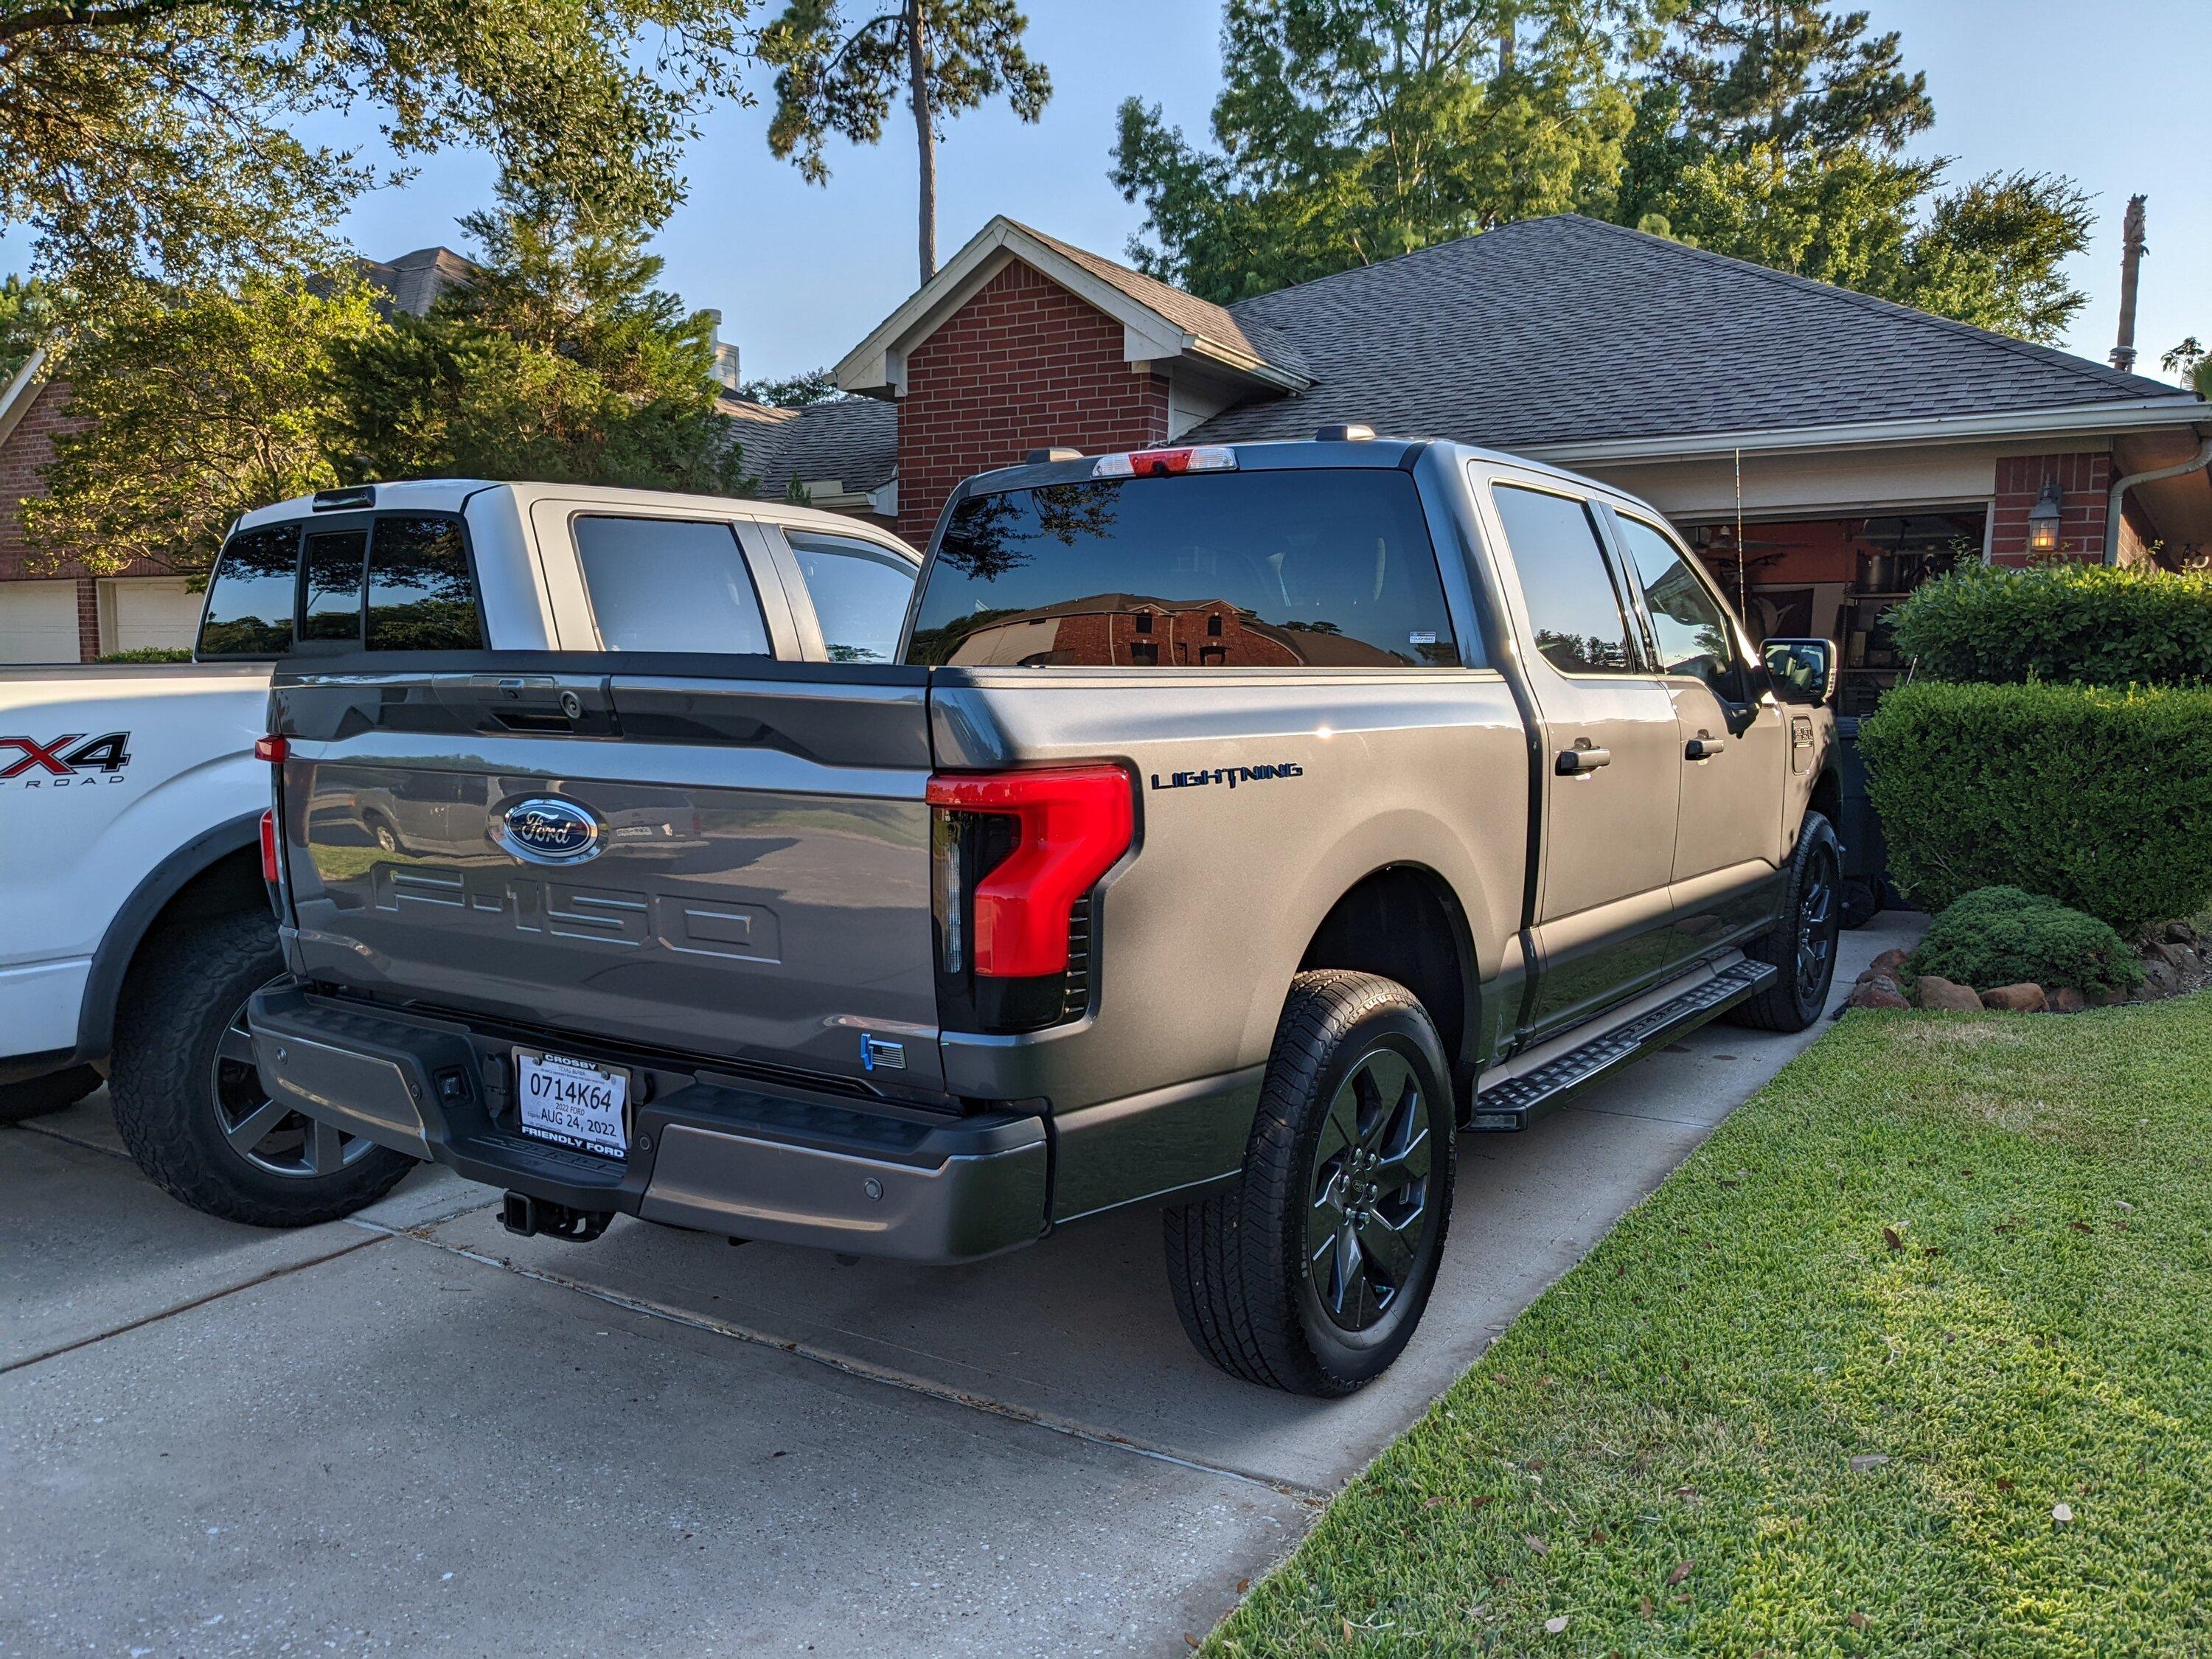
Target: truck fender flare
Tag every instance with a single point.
(127, 930)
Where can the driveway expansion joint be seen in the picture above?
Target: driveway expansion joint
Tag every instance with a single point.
(860, 1370)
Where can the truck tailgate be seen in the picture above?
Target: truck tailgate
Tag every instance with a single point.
(733, 865)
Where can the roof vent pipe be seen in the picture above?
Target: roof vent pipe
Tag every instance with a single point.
(2132, 253)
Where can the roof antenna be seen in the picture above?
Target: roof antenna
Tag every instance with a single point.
(2131, 252)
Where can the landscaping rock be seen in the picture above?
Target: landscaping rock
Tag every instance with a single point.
(2023, 999)
(2067, 1000)
(1934, 991)
(2160, 978)
(1877, 991)
(1887, 964)
(2176, 957)
(2181, 932)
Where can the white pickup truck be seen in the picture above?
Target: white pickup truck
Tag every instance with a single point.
(134, 920)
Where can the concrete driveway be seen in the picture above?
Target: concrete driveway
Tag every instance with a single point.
(410, 1432)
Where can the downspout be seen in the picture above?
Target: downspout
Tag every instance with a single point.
(2113, 524)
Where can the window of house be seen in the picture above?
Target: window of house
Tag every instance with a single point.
(1144, 653)
(860, 591)
(251, 595)
(1573, 607)
(422, 595)
(1144, 621)
(1213, 624)
(1691, 628)
(670, 585)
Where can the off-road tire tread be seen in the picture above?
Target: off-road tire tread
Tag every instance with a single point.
(190, 975)
(1229, 1264)
(1775, 1009)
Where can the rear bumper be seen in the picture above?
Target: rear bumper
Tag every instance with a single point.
(721, 1157)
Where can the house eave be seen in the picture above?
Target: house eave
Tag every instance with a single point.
(2023, 425)
(22, 390)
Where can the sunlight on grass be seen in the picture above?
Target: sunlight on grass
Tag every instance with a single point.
(1973, 1253)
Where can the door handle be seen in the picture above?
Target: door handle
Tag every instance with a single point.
(1702, 747)
(1576, 763)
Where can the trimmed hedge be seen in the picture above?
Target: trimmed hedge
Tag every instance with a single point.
(2101, 799)
(149, 653)
(2001, 936)
(2084, 624)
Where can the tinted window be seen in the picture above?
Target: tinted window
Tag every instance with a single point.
(670, 585)
(1572, 602)
(330, 605)
(250, 600)
(859, 593)
(1692, 631)
(1331, 568)
(421, 595)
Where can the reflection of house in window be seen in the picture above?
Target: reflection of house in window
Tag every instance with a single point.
(1213, 624)
(1211, 656)
(1144, 653)
(1144, 621)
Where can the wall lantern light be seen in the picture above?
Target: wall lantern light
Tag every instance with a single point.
(2043, 519)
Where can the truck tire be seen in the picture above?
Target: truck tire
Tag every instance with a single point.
(1275, 1280)
(35, 1097)
(190, 1105)
(1802, 945)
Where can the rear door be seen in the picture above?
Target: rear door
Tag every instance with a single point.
(1610, 785)
(715, 855)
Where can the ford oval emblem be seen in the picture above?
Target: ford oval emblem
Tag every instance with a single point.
(547, 831)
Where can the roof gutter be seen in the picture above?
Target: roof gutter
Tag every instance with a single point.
(2183, 409)
(2121, 486)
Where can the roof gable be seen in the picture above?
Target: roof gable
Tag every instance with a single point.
(1567, 330)
(1159, 322)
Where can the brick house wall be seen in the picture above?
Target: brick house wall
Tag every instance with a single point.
(2085, 481)
(23, 453)
(1024, 365)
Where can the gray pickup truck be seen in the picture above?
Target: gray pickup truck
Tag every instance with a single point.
(1233, 829)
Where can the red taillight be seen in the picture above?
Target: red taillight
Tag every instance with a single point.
(271, 748)
(1164, 463)
(1071, 824)
(270, 873)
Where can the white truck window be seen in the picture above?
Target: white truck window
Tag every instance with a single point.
(670, 585)
(860, 594)
(252, 594)
(421, 595)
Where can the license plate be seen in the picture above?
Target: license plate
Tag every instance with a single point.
(574, 1102)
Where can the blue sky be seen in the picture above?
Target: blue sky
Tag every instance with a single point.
(2113, 97)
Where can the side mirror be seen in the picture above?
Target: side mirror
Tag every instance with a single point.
(1802, 671)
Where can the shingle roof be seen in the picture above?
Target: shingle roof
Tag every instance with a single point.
(1565, 329)
(414, 280)
(1255, 335)
(854, 441)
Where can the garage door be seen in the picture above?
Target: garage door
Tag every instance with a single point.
(145, 612)
(38, 621)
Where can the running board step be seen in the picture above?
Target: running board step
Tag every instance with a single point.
(1520, 1100)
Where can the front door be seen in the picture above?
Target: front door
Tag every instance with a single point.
(1612, 776)
(1734, 746)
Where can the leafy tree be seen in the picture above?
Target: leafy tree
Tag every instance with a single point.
(193, 407)
(151, 139)
(560, 360)
(2191, 364)
(815, 385)
(838, 78)
(1774, 130)
(1353, 131)
(27, 318)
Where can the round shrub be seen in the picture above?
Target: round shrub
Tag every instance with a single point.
(2004, 936)
(2083, 624)
(2100, 798)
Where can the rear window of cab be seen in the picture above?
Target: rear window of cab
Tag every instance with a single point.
(1327, 568)
(399, 581)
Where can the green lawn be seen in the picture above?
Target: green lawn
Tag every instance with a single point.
(1978, 1246)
